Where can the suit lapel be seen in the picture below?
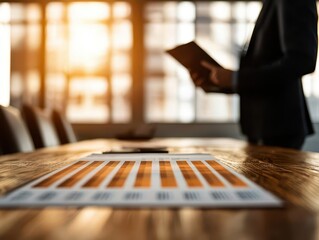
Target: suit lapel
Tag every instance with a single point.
(259, 22)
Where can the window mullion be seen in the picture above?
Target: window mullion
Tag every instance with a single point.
(138, 56)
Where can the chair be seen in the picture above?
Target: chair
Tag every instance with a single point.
(63, 128)
(14, 133)
(40, 126)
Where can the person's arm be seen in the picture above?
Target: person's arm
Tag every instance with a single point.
(234, 81)
(298, 36)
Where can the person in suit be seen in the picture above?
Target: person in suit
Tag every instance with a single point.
(283, 48)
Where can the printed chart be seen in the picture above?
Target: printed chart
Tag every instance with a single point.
(142, 180)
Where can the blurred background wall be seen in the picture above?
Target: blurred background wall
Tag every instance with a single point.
(103, 64)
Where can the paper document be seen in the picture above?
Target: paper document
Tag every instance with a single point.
(142, 180)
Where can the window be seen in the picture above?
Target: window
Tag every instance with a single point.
(25, 35)
(5, 46)
(104, 62)
(88, 61)
(221, 28)
(311, 89)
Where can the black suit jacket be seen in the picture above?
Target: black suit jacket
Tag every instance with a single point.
(282, 49)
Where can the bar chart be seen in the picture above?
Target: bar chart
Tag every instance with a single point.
(141, 180)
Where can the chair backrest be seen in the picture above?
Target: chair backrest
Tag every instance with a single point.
(40, 126)
(63, 128)
(14, 135)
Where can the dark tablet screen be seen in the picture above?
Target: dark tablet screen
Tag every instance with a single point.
(190, 55)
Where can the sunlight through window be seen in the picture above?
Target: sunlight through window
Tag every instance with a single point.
(221, 28)
(93, 49)
(5, 52)
(92, 43)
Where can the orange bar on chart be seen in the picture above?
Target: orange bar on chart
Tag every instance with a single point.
(120, 177)
(231, 178)
(57, 176)
(70, 182)
(143, 177)
(189, 175)
(209, 176)
(167, 174)
(98, 178)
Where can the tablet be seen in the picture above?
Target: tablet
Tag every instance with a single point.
(190, 56)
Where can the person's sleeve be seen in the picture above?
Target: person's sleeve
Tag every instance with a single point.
(298, 38)
(234, 81)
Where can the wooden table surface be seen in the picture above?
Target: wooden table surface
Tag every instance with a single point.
(291, 175)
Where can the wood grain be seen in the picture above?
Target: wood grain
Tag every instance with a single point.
(291, 175)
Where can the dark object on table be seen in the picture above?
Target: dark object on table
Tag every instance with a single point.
(143, 132)
(137, 150)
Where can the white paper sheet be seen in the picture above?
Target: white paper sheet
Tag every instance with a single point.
(143, 180)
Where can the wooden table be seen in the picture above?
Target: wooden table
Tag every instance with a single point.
(291, 175)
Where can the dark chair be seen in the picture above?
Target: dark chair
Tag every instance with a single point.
(40, 126)
(63, 128)
(14, 135)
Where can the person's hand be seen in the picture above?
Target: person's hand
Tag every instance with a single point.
(197, 79)
(219, 76)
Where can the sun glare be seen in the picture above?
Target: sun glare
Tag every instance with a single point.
(89, 39)
(79, 12)
(93, 41)
(88, 46)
